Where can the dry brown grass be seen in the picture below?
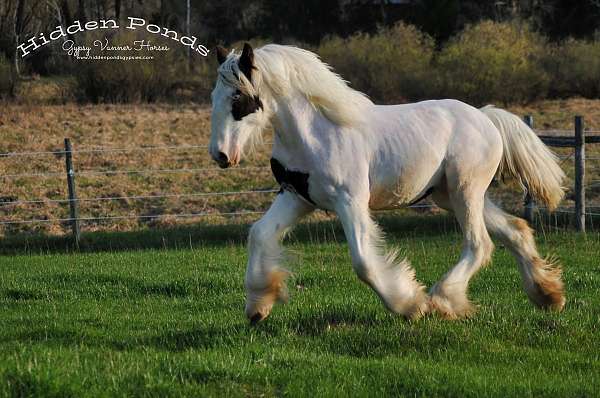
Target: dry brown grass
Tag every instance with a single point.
(43, 128)
(560, 114)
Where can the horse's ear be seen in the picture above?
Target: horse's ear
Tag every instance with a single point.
(246, 62)
(221, 54)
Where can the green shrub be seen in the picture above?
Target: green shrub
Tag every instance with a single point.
(50, 61)
(197, 85)
(7, 78)
(131, 80)
(491, 62)
(574, 69)
(391, 66)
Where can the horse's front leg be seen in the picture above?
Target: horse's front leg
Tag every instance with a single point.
(265, 280)
(393, 281)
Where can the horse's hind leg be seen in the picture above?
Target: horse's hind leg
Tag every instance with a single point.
(394, 281)
(541, 279)
(466, 200)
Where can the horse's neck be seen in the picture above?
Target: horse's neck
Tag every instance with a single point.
(300, 129)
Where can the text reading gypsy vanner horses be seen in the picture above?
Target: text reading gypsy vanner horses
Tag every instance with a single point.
(335, 150)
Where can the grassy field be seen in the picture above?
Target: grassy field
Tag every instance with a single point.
(168, 321)
(154, 307)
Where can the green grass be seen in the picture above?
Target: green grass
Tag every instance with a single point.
(169, 322)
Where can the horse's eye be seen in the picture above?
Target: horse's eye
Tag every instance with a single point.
(235, 97)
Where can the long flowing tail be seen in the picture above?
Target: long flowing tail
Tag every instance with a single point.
(527, 158)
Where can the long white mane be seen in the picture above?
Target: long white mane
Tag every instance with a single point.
(283, 71)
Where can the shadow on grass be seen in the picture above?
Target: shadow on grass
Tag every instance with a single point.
(203, 337)
(23, 384)
(21, 295)
(182, 237)
(56, 336)
(333, 319)
(112, 286)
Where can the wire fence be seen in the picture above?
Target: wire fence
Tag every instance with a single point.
(6, 202)
(60, 152)
(130, 217)
(10, 202)
(147, 171)
(139, 197)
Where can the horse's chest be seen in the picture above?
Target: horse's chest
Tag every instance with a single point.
(291, 180)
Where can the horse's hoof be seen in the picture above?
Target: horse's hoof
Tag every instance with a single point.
(256, 318)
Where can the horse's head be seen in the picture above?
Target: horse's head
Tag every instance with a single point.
(238, 115)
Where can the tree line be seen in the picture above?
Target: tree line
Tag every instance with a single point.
(307, 21)
(540, 48)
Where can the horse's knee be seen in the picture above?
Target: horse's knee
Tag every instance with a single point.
(259, 234)
(264, 253)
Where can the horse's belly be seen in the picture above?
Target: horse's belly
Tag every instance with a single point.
(386, 198)
(410, 186)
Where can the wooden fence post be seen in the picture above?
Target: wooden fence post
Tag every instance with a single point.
(528, 204)
(579, 174)
(73, 206)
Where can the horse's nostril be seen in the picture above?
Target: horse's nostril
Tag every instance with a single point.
(222, 158)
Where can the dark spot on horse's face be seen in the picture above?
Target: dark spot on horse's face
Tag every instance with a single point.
(243, 104)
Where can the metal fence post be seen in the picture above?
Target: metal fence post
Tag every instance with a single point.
(528, 204)
(579, 174)
(73, 206)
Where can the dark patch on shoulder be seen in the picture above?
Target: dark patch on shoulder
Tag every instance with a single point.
(244, 105)
(420, 198)
(293, 181)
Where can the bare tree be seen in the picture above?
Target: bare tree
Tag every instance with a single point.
(66, 11)
(18, 30)
(81, 11)
(5, 15)
(57, 14)
(117, 10)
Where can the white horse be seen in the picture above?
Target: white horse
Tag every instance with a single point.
(334, 149)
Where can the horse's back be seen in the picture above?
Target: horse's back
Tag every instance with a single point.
(446, 124)
(430, 113)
